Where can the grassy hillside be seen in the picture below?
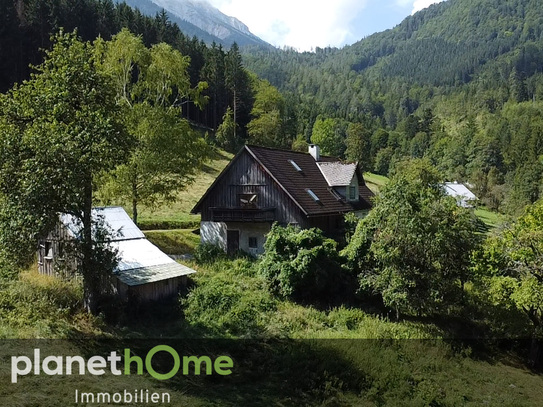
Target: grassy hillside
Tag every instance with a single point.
(177, 214)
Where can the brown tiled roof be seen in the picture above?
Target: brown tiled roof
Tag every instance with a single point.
(297, 183)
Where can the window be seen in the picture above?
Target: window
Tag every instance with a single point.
(253, 242)
(352, 193)
(248, 200)
(48, 249)
(296, 166)
(313, 195)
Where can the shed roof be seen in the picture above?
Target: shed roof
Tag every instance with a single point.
(115, 217)
(140, 261)
(459, 191)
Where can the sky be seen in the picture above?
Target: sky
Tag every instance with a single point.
(306, 24)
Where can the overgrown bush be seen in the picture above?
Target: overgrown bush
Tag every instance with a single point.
(303, 265)
(208, 253)
(230, 300)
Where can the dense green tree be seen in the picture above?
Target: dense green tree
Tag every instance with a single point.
(517, 87)
(267, 125)
(358, 145)
(238, 83)
(58, 132)
(226, 133)
(329, 135)
(414, 247)
(167, 151)
(510, 265)
(213, 74)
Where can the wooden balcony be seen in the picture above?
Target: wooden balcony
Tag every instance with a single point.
(242, 214)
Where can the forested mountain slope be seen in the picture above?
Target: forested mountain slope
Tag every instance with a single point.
(26, 27)
(459, 83)
(446, 45)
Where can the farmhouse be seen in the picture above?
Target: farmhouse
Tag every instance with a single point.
(143, 271)
(264, 185)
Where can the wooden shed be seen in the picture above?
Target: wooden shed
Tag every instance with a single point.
(143, 272)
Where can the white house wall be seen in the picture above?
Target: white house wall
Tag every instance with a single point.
(213, 233)
(216, 232)
(247, 230)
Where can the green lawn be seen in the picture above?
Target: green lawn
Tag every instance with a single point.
(490, 219)
(177, 215)
(375, 181)
(174, 241)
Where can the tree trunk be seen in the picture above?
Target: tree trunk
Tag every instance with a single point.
(235, 115)
(135, 201)
(90, 281)
(535, 352)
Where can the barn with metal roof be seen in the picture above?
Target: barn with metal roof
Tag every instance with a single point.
(143, 271)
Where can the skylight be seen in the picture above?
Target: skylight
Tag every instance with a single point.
(296, 166)
(313, 195)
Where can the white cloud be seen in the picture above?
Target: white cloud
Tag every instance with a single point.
(421, 4)
(302, 24)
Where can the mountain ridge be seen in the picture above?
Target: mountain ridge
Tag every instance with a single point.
(199, 18)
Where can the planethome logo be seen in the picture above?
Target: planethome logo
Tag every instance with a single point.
(114, 364)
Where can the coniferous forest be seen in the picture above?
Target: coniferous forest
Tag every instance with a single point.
(459, 83)
(26, 28)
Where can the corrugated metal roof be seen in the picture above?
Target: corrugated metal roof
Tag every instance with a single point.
(152, 274)
(142, 262)
(459, 191)
(337, 174)
(114, 216)
(139, 253)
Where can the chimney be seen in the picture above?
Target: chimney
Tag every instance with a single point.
(315, 151)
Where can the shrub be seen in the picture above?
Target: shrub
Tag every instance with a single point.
(208, 253)
(230, 303)
(303, 265)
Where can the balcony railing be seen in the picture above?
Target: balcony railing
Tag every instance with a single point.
(242, 214)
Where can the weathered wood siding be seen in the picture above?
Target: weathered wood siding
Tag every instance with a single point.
(246, 176)
(159, 290)
(53, 253)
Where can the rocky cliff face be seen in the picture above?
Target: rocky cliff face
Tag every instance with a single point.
(209, 19)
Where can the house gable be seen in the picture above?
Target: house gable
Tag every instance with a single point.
(286, 179)
(246, 192)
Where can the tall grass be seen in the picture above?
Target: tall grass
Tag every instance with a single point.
(37, 305)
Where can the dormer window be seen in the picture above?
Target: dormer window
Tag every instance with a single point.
(249, 201)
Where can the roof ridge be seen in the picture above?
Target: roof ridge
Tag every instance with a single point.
(289, 151)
